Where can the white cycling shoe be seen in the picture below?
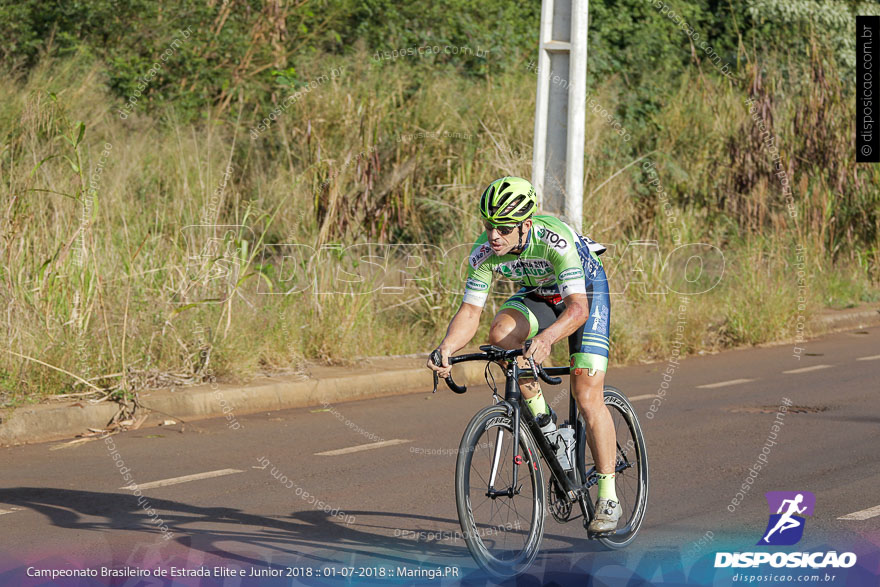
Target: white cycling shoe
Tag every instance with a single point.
(608, 512)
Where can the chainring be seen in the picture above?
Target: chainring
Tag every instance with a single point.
(559, 505)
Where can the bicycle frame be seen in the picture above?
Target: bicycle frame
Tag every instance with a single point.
(512, 399)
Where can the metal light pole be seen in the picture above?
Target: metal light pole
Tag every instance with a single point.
(560, 109)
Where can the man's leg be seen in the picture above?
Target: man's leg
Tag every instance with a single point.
(588, 392)
(520, 318)
(589, 347)
(509, 330)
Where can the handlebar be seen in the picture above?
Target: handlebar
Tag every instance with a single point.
(438, 361)
(490, 353)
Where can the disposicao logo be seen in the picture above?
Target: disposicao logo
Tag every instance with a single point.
(786, 525)
(784, 528)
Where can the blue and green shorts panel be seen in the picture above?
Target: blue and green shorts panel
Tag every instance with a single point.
(590, 344)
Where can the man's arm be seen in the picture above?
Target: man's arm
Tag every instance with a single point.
(577, 310)
(462, 329)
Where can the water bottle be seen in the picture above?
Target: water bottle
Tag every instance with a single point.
(547, 423)
(565, 447)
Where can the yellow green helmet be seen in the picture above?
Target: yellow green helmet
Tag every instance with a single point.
(508, 200)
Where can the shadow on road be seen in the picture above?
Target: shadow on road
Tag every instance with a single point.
(312, 537)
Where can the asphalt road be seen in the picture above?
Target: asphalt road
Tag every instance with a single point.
(65, 505)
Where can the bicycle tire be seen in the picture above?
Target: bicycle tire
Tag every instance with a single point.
(634, 506)
(484, 425)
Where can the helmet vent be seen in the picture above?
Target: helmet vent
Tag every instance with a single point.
(513, 205)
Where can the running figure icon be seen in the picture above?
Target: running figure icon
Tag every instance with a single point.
(786, 521)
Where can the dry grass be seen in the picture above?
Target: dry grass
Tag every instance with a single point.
(124, 288)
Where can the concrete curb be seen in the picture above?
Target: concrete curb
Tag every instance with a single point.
(835, 320)
(57, 421)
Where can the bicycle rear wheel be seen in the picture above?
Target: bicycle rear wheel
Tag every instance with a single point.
(503, 533)
(631, 481)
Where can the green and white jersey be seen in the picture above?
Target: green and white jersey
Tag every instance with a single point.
(556, 259)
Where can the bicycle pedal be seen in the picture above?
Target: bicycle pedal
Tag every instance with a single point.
(596, 535)
(592, 535)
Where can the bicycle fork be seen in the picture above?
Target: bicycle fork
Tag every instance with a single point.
(495, 460)
(512, 396)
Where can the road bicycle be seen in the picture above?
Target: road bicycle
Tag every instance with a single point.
(501, 517)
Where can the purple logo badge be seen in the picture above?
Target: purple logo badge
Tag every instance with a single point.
(787, 511)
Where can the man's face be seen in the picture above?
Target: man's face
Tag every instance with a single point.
(502, 243)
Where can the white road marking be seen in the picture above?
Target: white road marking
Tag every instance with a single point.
(9, 511)
(863, 514)
(636, 398)
(806, 369)
(872, 358)
(724, 383)
(185, 479)
(360, 447)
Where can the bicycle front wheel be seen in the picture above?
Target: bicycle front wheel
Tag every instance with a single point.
(503, 533)
(631, 481)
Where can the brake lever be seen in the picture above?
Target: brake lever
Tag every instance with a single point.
(533, 366)
(541, 374)
(437, 360)
(531, 361)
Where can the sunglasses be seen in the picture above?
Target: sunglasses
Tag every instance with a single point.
(503, 229)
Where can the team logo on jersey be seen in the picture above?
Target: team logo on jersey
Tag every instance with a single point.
(570, 274)
(591, 266)
(540, 268)
(476, 285)
(556, 241)
(480, 255)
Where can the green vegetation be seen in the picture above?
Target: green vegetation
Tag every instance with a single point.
(112, 280)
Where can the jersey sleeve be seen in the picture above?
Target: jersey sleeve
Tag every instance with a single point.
(479, 277)
(570, 276)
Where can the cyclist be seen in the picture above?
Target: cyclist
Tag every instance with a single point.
(564, 294)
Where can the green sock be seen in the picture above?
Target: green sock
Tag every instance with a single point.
(536, 404)
(606, 486)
